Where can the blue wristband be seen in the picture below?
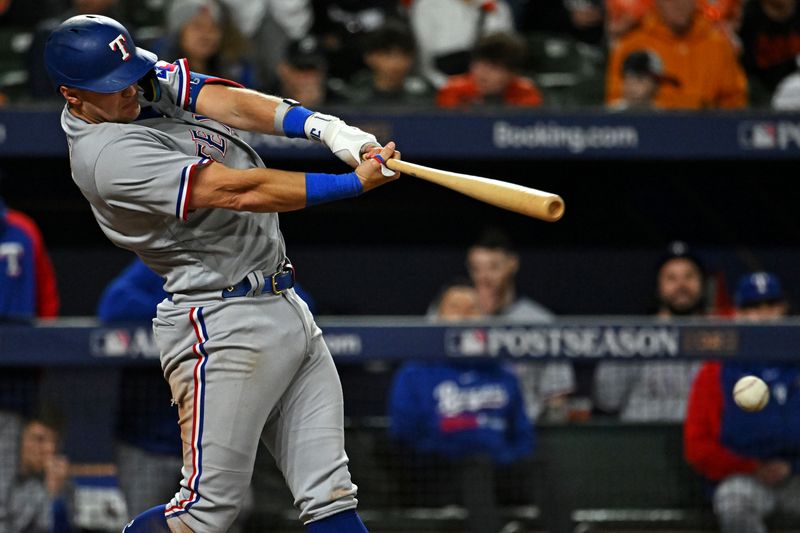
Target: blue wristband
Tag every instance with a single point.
(328, 187)
(294, 122)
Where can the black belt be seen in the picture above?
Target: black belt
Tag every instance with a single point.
(276, 283)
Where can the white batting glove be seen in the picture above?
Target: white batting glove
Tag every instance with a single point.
(348, 143)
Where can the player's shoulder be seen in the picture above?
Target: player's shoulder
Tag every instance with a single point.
(102, 138)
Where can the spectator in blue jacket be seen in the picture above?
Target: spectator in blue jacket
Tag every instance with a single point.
(469, 413)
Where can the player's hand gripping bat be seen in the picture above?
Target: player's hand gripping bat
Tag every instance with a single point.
(523, 200)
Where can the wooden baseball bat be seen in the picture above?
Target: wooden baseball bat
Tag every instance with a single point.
(523, 200)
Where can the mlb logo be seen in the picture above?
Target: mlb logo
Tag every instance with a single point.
(111, 342)
(758, 135)
(466, 342)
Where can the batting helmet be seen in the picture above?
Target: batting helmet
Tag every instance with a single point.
(95, 53)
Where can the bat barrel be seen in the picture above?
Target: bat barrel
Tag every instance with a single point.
(554, 209)
(524, 200)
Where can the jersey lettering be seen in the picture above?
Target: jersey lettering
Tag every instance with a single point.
(119, 44)
(12, 252)
(207, 143)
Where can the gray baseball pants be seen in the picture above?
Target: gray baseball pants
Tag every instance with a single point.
(248, 369)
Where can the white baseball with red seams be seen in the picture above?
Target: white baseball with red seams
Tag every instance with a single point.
(751, 393)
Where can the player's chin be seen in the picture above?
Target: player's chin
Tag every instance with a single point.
(129, 112)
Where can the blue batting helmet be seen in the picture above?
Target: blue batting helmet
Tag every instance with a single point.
(95, 53)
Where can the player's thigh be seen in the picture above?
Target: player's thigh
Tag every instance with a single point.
(306, 437)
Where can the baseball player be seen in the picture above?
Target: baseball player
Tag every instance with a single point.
(153, 147)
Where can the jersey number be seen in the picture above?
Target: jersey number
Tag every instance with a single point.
(209, 145)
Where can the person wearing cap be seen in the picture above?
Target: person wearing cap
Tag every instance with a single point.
(657, 390)
(695, 52)
(751, 460)
(303, 73)
(642, 77)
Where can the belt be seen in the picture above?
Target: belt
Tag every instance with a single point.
(256, 283)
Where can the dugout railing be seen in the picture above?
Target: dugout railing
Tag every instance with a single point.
(599, 474)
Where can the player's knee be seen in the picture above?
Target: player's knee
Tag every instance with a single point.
(739, 497)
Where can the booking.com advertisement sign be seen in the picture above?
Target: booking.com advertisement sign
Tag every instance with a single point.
(500, 133)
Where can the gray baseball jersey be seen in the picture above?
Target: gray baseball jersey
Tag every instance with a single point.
(240, 369)
(138, 177)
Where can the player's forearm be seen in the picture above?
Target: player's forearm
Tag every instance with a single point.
(258, 190)
(263, 190)
(243, 109)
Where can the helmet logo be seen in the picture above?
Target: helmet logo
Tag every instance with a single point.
(119, 44)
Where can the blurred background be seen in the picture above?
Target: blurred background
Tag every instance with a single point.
(669, 127)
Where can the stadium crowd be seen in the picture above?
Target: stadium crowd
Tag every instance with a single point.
(688, 54)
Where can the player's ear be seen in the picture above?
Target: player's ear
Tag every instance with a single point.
(70, 95)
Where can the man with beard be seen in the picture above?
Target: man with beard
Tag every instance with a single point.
(657, 390)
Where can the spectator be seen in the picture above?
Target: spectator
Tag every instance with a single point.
(696, 53)
(448, 30)
(389, 54)
(493, 264)
(39, 84)
(203, 33)
(751, 459)
(270, 26)
(657, 391)
(340, 26)
(303, 74)
(642, 77)
(493, 77)
(624, 15)
(770, 35)
(466, 413)
(27, 280)
(35, 492)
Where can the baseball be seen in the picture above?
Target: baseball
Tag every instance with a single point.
(751, 393)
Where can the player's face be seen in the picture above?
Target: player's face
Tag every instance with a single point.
(459, 303)
(95, 108)
(38, 445)
(680, 286)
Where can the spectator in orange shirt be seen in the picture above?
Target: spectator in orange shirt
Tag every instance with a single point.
(493, 77)
(695, 52)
